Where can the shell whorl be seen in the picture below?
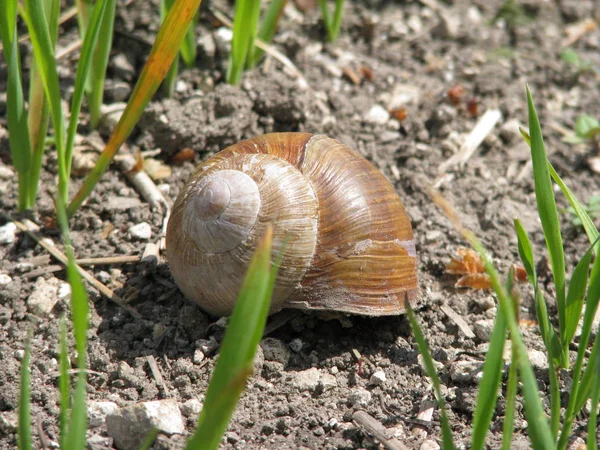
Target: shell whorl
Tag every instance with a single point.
(348, 240)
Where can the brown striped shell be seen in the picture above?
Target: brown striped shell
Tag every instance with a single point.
(348, 240)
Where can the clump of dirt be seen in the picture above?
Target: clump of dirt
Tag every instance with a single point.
(416, 52)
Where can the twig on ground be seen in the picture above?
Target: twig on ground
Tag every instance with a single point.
(60, 256)
(459, 321)
(425, 415)
(384, 435)
(484, 126)
(157, 375)
(108, 260)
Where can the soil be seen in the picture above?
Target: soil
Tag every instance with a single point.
(416, 52)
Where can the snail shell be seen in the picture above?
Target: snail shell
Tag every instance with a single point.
(346, 238)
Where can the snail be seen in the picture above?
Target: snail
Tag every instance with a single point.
(346, 240)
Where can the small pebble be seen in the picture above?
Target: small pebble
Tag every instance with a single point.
(483, 329)
(359, 397)
(191, 408)
(5, 279)
(6, 173)
(142, 231)
(275, 350)
(378, 378)
(465, 371)
(296, 344)
(198, 356)
(97, 412)
(538, 359)
(377, 115)
(8, 233)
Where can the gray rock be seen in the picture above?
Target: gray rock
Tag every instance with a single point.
(6, 173)
(538, 359)
(465, 371)
(191, 409)
(312, 380)
(448, 27)
(122, 203)
(8, 233)
(359, 397)
(198, 356)
(483, 329)
(141, 231)
(128, 426)
(97, 412)
(378, 378)
(295, 344)
(275, 350)
(5, 279)
(429, 444)
(8, 422)
(44, 296)
(99, 442)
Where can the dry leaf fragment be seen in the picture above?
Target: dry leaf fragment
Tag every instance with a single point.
(351, 75)
(468, 264)
(156, 169)
(520, 273)
(475, 281)
(186, 154)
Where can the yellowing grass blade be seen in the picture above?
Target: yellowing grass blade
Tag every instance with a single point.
(164, 50)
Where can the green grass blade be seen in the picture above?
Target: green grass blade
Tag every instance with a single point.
(580, 386)
(168, 84)
(63, 384)
(243, 334)
(164, 50)
(589, 376)
(448, 442)
(511, 397)
(245, 27)
(548, 213)
(18, 134)
(24, 426)
(96, 77)
(43, 52)
(593, 420)
(337, 20)
(267, 30)
(586, 221)
(76, 437)
(81, 76)
(326, 15)
(526, 252)
(188, 46)
(487, 394)
(576, 294)
(149, 439)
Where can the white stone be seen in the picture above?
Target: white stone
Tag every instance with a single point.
(5, 279)
(296, 344)
(429, 444)
(378, 378)
(6, 173)
(64, 291)
(97, 412)
(198, 356)
(141, 231)
(181, 86)
(377, 115)
(483, 329)
(359, 397)
(191, 408)
(8, 233)
(208, 346)
(44, 296)
(312, 379)
(538, 359)
(224, 34)
(128, 426)
(275, 350)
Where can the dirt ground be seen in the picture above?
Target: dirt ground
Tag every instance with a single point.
(416, 52)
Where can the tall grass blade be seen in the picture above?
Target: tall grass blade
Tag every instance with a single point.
(149, 439)
(24, 427)
(448, 442)
(237, 352)
(63, 383)
(332, 24)
(164, 50)
(511, 397)
(576, 293)
(18, 134)
(245, 26)
(84, 66)
(188, 47)
(267, 30)
(43, 52)
(590, 375)
(487, 394)
(548, 213)
(168, 84)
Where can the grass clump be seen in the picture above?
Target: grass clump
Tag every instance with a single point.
(333, 22)
(577, 301)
